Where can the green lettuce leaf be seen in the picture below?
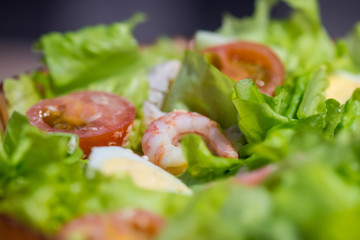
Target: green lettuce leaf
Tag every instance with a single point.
(94, 53)
(45, 183)
(351, 116)
(23, 141)
(201, 88)
(275, 146)
(223, 211)
(332, 117)
(300, 97)
(255, 109)
(15, 126)
(314, 96)
(312, 193)
(310, 196)
(353, 43)
(344, 61)
(296, 91)
(20, 93)
(203, 166)
(137, 133)
(5, 165)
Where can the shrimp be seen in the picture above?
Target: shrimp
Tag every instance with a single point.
(151, 112)
(160, 79)
(161, 138)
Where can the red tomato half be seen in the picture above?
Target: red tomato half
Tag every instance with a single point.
(248, 60)
(98, 118)
(126, 224)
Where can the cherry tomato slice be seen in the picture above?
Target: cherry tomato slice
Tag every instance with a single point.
(242, 60)
(125, 224)
(98, 118)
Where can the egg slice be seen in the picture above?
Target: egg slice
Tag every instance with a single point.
(114, 160)
(342, 85)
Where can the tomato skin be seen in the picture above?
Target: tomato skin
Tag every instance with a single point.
(237, 58)
(132, 224)
(98, 118)
(107, 139)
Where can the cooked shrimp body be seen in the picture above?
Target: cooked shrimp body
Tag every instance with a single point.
(160, 78)
(151, 112)
(161, 139)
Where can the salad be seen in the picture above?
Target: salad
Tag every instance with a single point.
(247, 132)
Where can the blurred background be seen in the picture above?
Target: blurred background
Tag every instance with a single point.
(22, 22)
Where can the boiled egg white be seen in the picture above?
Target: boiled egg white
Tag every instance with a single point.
(342, 85)
(115, 160)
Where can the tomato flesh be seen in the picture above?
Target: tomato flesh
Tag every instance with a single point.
(248, 60)
(65, 116)
(124, 224)
(98, 118)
